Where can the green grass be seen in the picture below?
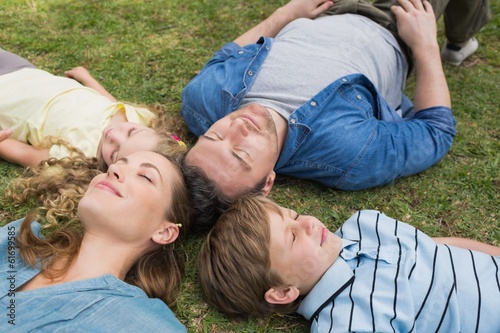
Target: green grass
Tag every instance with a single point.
(146, 51)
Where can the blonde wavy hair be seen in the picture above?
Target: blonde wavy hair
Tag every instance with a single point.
(159, 273)
(57, 185)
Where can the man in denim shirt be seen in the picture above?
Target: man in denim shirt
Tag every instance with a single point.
(314, 99)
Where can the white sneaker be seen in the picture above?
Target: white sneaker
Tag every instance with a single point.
(454, 54)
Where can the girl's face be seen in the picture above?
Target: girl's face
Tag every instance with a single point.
(124, 139)
(128, 203)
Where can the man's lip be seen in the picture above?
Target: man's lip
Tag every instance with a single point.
(107, 186)
(251, 119)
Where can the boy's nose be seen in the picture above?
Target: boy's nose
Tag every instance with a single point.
(307, 224)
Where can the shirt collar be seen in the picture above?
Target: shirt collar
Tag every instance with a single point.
(334, 281)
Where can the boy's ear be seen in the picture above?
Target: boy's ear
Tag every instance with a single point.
(282, 295)
(166, 234)
(269, 183)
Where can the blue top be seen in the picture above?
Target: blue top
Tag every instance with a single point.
(102, 304)
(390, 277)
(345, 137)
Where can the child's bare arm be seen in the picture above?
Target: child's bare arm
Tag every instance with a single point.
(82, 75)
(21, 153)
(469, 244)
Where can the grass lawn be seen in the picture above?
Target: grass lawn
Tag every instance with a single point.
(145, 51)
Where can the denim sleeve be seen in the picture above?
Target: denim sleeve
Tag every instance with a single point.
(224, 53)
(399, 149)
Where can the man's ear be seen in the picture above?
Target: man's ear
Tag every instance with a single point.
(166, 234)
(282, 295)
(269, 183)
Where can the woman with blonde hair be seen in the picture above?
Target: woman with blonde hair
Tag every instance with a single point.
(115, 270)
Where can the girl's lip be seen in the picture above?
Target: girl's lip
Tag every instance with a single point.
(107, 186)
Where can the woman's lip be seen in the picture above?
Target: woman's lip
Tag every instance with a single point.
(107, 186)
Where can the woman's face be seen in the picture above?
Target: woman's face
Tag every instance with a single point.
(128, 203)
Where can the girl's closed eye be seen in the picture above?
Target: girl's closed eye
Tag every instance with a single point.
(113, 156)
(132, 129)
(293, 237)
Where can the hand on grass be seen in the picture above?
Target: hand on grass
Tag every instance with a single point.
(80, 74)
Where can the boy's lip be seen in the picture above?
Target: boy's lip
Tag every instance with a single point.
(107, 186)
(324, 235)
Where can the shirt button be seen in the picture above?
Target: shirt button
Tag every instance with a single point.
(292, 121)
(240, 52)
(344, 79)
(267, 47)
(313, 103)
(358, 97)
(250, 73)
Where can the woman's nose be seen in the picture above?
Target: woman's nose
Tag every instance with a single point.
(115, 172)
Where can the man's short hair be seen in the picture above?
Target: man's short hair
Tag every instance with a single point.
(208, 199)
(234, 263)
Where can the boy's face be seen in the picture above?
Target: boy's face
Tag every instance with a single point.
(301, 248)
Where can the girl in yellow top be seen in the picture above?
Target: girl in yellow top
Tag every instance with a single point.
(38, 109)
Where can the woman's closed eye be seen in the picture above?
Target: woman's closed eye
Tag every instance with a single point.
(149, 179)
(114, 156)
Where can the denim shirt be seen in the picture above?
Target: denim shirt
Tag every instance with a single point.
(101, 304)
(346, 137)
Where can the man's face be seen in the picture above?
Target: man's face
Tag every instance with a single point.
(238, 151)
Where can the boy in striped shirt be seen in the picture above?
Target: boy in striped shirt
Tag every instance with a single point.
(374, 274)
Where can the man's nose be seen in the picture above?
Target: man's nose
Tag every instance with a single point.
(239, 128)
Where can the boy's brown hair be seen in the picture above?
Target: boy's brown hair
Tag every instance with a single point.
(234, 263)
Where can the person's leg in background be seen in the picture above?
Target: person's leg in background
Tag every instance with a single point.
(462, 20)
(10, 62)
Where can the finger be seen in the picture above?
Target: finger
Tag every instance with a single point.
(427, 6)
(417, 4)
(397, 10)
(323, 7)
(5, 133)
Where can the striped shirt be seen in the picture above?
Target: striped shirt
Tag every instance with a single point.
(390, 277)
